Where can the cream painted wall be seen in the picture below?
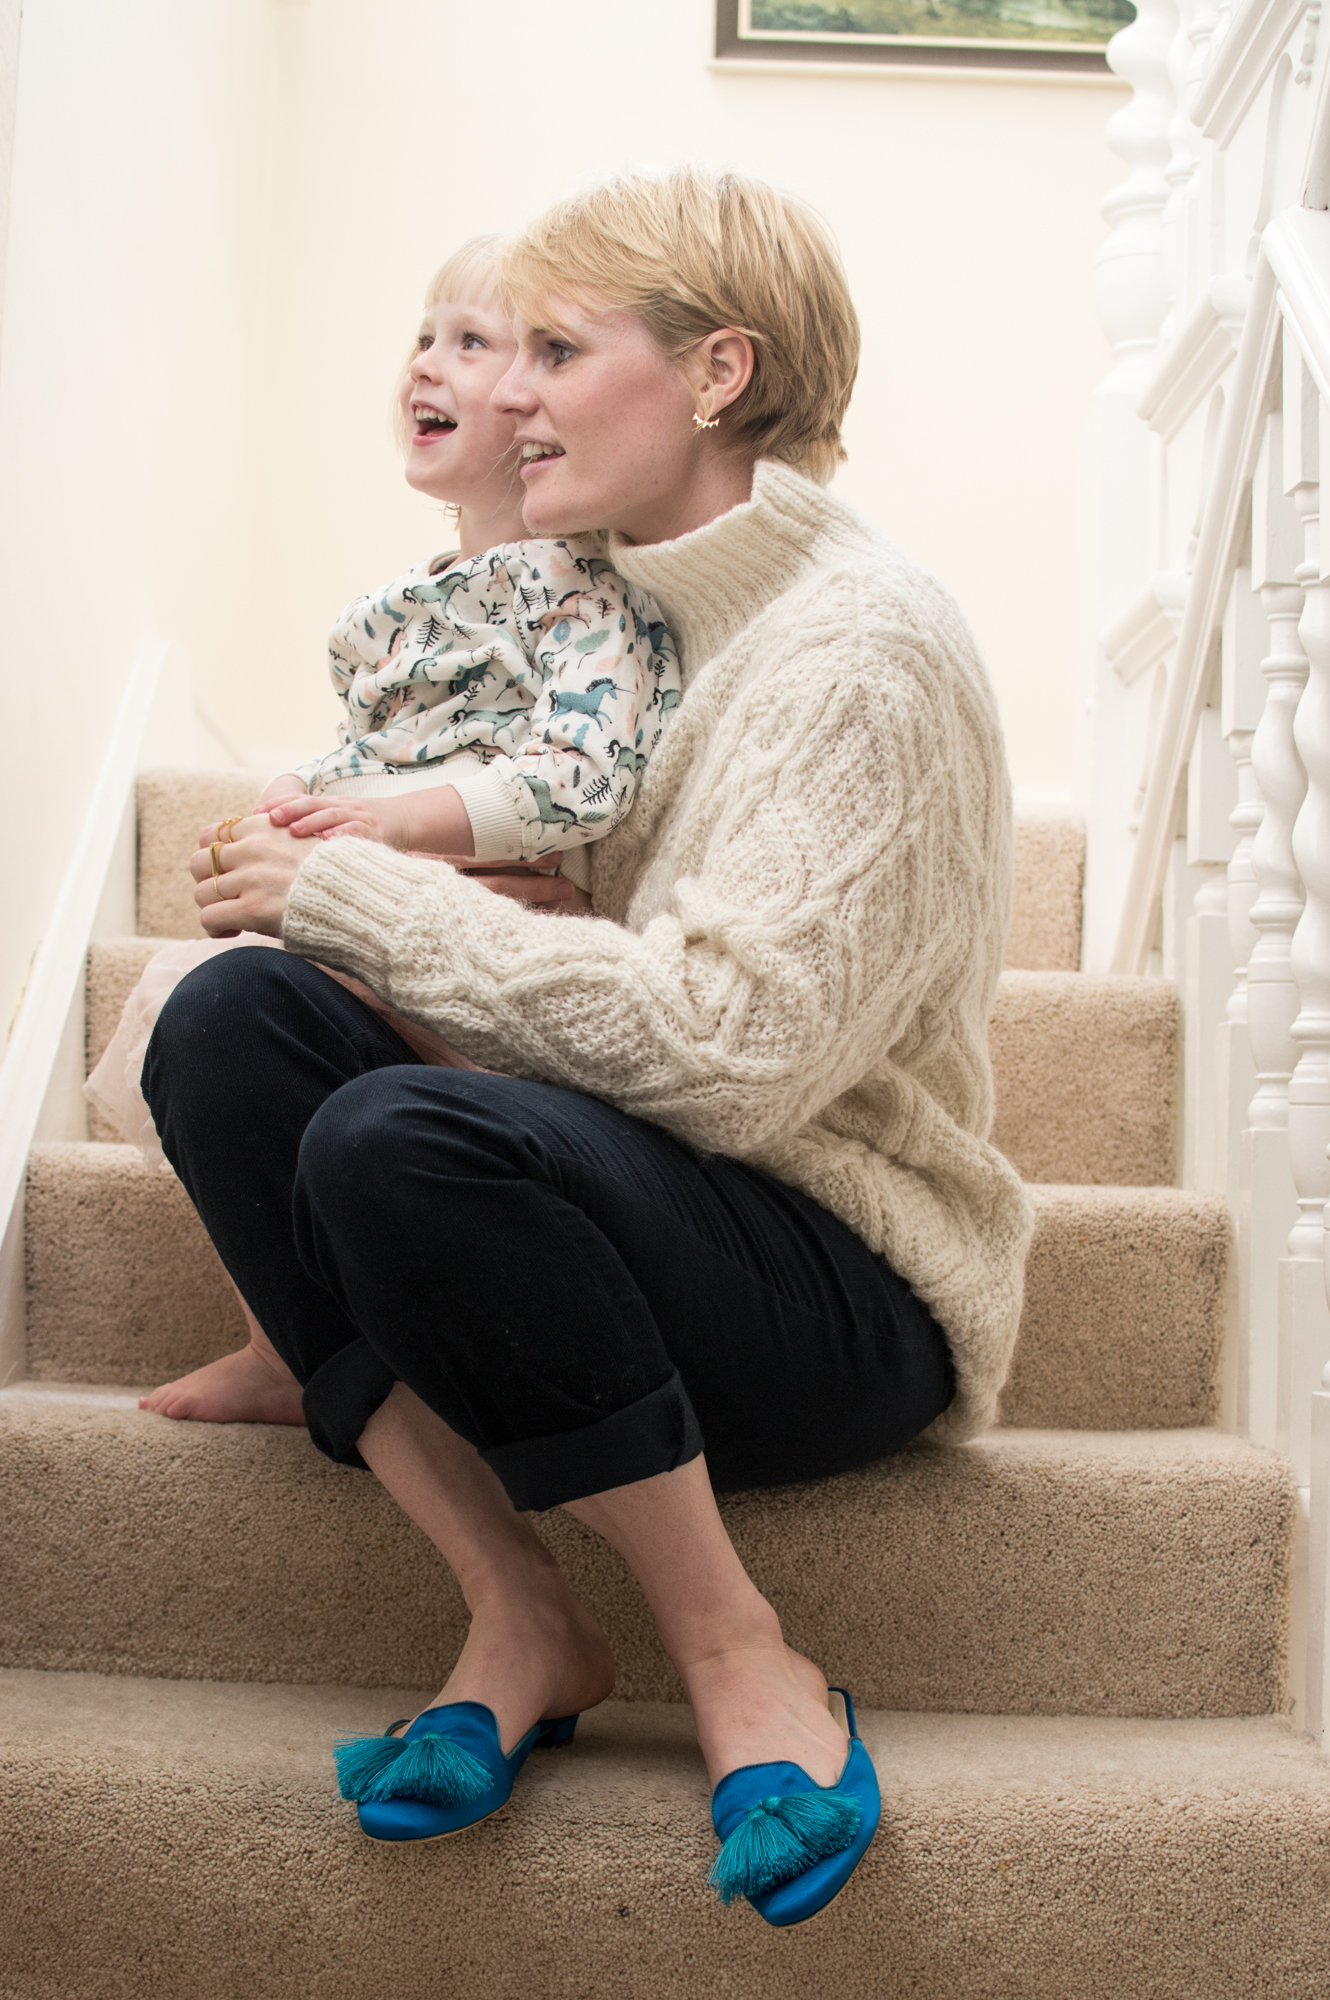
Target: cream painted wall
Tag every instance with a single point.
(132, 327)
(968, 213)
(224, 214)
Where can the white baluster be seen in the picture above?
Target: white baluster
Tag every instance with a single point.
(1304, 1331)
(1211, 797)
(1200, 34)
(1119, 535)
(1179, 174)
(1131, 283)
(1267, 1204)
(1242, 642)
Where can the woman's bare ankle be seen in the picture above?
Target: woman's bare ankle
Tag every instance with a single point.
(531, 1655)
(755, 1701)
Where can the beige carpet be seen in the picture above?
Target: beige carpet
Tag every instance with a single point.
(1045, 933)
(168, 1839)
(1032, 1572)
(1087, 1074)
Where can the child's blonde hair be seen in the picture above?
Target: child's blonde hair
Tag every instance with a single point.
(696, 249)
(470, 276)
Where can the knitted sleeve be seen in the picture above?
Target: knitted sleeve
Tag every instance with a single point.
(610, 678)
(833, 895)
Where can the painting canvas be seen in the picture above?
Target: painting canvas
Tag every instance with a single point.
(1055, 33)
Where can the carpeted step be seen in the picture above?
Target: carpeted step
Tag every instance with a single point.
(1087, 1074)
(175, 805)
(1086, 1071)
(1122, 1326)
(1045, 934)
(1031, 1572)
(184, 1840)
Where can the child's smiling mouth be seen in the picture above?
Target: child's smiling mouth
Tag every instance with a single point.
(431, 424)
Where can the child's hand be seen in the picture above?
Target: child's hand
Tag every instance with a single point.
(371, 819)
(430, 821)
(285, 786)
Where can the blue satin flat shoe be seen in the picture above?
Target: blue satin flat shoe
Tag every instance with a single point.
(447, 1772)
(787, 1844)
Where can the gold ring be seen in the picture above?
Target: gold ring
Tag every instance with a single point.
(215, 856)
(224, 831)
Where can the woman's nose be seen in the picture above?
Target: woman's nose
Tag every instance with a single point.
(512, 391)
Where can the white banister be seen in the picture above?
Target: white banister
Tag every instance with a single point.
(1267, 1197)
(1234, 458)
(1211, 797)
(1304, 1330)
(1215, 667)
(1242, 696)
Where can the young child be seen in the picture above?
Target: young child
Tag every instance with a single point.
(501, 700)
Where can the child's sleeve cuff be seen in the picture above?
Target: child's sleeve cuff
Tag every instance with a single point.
(496, 825)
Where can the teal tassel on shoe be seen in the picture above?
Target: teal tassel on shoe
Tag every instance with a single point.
(362, 1760)
(781, 1837)
(431, 1768)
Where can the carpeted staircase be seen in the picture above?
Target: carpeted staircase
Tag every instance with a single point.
(1067, 1640)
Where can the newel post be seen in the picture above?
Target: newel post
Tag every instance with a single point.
(1267, 1204)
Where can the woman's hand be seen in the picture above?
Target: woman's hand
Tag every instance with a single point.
(256, 865)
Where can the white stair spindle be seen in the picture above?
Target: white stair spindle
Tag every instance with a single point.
(1242, 696)
(1267, 1203)
(1304, 1332)
(1211, 797)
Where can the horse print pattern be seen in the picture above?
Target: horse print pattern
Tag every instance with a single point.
(536, 658)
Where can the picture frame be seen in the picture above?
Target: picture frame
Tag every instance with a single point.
(1048, 35)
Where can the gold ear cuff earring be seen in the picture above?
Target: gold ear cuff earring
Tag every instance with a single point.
(706, 423)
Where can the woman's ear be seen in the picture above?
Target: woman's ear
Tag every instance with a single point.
(719, 369)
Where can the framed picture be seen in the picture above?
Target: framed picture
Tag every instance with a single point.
(998, 34)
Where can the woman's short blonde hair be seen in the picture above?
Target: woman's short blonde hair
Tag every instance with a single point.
(697, 249)
(469, 277)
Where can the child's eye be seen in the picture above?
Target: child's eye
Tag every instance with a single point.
(561, 352)
(424, 340)
(472, 340)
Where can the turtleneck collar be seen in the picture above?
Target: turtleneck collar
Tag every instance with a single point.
(713, 582)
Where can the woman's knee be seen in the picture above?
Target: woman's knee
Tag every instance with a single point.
(395, 1136)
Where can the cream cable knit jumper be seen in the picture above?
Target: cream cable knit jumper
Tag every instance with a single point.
(799, 927)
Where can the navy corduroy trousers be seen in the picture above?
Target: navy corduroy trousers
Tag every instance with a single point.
(586, 1299)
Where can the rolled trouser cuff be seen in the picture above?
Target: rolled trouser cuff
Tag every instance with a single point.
(342, 1396)
(656, 1434)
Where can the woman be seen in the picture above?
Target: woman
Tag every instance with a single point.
(722, 1183)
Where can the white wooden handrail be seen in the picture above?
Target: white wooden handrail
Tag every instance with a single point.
(1235, 458)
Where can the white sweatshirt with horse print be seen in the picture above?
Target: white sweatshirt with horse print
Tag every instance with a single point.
(532, 677)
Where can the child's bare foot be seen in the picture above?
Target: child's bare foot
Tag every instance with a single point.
(250, 1387)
